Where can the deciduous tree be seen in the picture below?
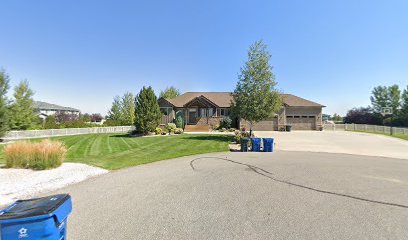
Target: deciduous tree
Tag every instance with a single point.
(169, 93)
(255, 97)
(22, 115)
(4, 118)
(128, 109)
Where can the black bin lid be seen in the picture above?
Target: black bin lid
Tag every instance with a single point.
(35, 207)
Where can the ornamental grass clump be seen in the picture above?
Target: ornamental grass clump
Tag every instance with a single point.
(39, 156)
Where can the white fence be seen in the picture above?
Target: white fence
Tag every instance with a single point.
(13, 135)
(366, 128)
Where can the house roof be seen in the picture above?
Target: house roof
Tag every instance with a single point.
(295, 101)
(223, 99)
(49, 106)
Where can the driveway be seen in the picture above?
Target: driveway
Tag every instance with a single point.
(339, 142)
(281, 195)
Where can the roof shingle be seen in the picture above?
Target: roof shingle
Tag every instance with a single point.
(223, 99)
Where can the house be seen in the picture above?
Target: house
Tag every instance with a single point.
(206, 109)
(46, 109)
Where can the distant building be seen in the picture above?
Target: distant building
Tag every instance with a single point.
(46, 109)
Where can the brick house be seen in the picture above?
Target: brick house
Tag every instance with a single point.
(204, 111)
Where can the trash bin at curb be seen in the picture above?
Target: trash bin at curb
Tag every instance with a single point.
(288, 128)
(267, 144)
(40, 219)
(256, 144)
(244, 144)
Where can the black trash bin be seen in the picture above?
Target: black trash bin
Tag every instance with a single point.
(244, 144)
(288, 128)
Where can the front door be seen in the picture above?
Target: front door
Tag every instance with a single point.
(192, 115)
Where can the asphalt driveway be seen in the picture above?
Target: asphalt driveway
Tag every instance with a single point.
(339, 142)
(281, 195)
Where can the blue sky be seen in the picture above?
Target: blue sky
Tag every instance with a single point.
(83, 53)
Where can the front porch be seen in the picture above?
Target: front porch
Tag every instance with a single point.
(198, 112)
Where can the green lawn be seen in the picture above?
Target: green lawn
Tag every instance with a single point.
(114, 151)
(405, 137)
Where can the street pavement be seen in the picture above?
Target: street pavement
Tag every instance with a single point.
(281, 195)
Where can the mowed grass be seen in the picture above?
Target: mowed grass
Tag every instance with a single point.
(115, 151)
(404, 137)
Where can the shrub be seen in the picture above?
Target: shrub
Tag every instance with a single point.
(171, 127)
(225, 122)
(158, 131)
(178, 131)
(39, 156)
(179, 119)
(241, 134)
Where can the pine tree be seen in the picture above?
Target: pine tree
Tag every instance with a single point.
(22, 112)
(255, 97)
(147, 111)
(4, 118)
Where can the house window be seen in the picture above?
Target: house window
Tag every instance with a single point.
(165, 110)
(203, 112)
(224, 112)
(210, 112)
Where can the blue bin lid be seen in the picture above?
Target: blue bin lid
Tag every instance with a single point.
(34, 207)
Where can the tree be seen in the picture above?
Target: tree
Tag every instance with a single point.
(4, 118)
(255, 97)
(336, 118)
(22, 111)
(96, 117)
(363, 115)
(169, 93)
(86, 117)
(404, 107)
(383, 96)
(128, 109)
(115, 113)
(147, 111)
(179, 119)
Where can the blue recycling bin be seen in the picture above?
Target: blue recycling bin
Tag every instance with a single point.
(267, 144)
(256, 144)
(36, 219)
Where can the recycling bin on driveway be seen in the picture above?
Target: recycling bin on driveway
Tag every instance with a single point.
(256, 144)
(244, 144)
(40, 219)
(267, 144)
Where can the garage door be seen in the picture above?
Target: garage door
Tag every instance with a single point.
(301, 122)
(267, 125)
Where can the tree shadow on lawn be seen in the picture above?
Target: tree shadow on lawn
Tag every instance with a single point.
(125, 135)
(218, 138)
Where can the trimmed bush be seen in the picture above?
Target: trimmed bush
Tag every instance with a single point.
(178, 131)
(39, 156)
(171, 127)
(225, 122)
(158, 131)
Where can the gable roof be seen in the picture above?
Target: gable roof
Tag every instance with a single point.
(223, 99)
(295, 101)
(49, 106)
